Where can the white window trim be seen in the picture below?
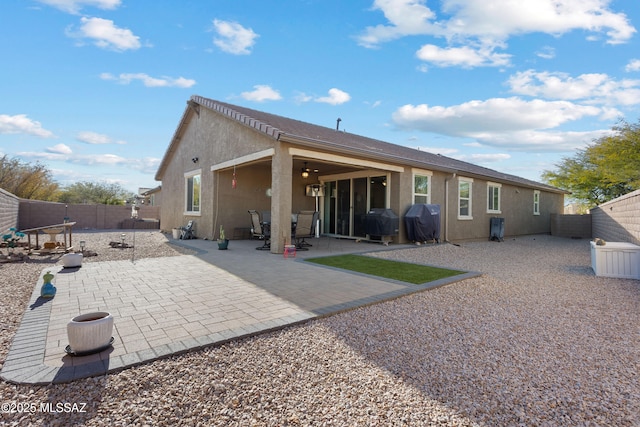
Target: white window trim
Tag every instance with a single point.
(499, 187)
(470, 182)
(421, 172)
(536, 203)
(188, 175)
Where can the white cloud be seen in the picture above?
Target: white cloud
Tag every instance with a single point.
(466, 57)
(633, 65)
(500, 19)
(60, 149)
(105, 34)
(591, 88)
(94, 138)
(302, 97)
(62, 153)
(233, 37)
(496, 20)
(336, 97)
(148, 81)
(484, 157)
(486, 25)
(261, 93)
(547, 52)
(493, 114)
(445, 151)
(74, 6)
(512, 122)
(20, 123)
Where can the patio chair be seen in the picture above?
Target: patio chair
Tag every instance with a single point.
(187, 231)
(305, 227)
(260, 230)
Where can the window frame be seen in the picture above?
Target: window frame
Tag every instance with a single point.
(498, 188)
(536, 202)
(427, 175)
(189, 198)
(469, 215)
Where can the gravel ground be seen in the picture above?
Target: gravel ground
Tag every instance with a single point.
(537, 340)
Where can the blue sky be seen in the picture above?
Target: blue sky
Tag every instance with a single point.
(94, 89)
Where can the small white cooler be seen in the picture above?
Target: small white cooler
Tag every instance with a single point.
(616, 259)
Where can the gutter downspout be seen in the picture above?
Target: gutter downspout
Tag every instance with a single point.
(446, 206)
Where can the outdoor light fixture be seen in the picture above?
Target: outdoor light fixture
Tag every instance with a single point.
(195, 160)
(305, 171)
(82, 244)
(122, 237)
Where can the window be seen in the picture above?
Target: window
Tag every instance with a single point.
(421, 187)
(192, 192)
(536, 202)
(493, 197)
(464, 198)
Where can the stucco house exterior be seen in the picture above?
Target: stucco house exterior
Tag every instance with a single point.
(224, 160)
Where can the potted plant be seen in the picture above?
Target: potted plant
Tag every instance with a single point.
(10, 240)
(223, 242)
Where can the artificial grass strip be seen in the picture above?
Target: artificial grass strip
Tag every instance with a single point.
(396, 270)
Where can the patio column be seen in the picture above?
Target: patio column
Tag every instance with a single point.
(281, 187)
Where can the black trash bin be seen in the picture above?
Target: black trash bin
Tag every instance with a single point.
(382, 223)
(422, 222)
(496, 229)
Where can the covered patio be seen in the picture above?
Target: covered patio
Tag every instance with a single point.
(341, 189)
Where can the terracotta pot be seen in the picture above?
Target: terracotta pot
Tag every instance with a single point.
(90, 332)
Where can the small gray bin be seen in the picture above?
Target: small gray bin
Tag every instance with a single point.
(496, 229)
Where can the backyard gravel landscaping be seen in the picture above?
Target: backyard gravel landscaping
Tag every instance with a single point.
(537, 340)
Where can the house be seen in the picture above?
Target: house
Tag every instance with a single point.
(224, 160)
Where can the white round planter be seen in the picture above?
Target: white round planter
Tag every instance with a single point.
(90, 333)
(71, 260)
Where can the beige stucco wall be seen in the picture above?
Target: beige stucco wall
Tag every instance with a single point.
(271, 184)
(516, 207)
(214, 140)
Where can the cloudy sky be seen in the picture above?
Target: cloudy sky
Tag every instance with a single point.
(94, 89)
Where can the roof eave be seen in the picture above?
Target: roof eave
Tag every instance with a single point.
(323, 145)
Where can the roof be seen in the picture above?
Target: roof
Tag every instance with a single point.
(299, 132)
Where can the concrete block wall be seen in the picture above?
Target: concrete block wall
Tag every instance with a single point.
(575, 226)
(34, 213)
(618, 220)
(9, 208)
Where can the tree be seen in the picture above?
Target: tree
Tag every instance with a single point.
(95, 193)
(28, 181)
(607, 169)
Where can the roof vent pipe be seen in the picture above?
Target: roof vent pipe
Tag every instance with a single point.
(338, 124)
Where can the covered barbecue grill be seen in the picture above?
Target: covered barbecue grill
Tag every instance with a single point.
(422, 223)
(382, 223)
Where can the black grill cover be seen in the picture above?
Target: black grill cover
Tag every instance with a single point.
(422, 223)
(381, 222)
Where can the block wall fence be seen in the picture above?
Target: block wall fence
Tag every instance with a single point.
(572, 226)
(618, 220)
(34, 213)
(9, 207)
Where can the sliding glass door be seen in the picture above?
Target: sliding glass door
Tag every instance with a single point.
(347, 201)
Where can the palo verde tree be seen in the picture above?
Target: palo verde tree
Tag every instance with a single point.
(27, 180)
(607, 169)
(95, 193)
